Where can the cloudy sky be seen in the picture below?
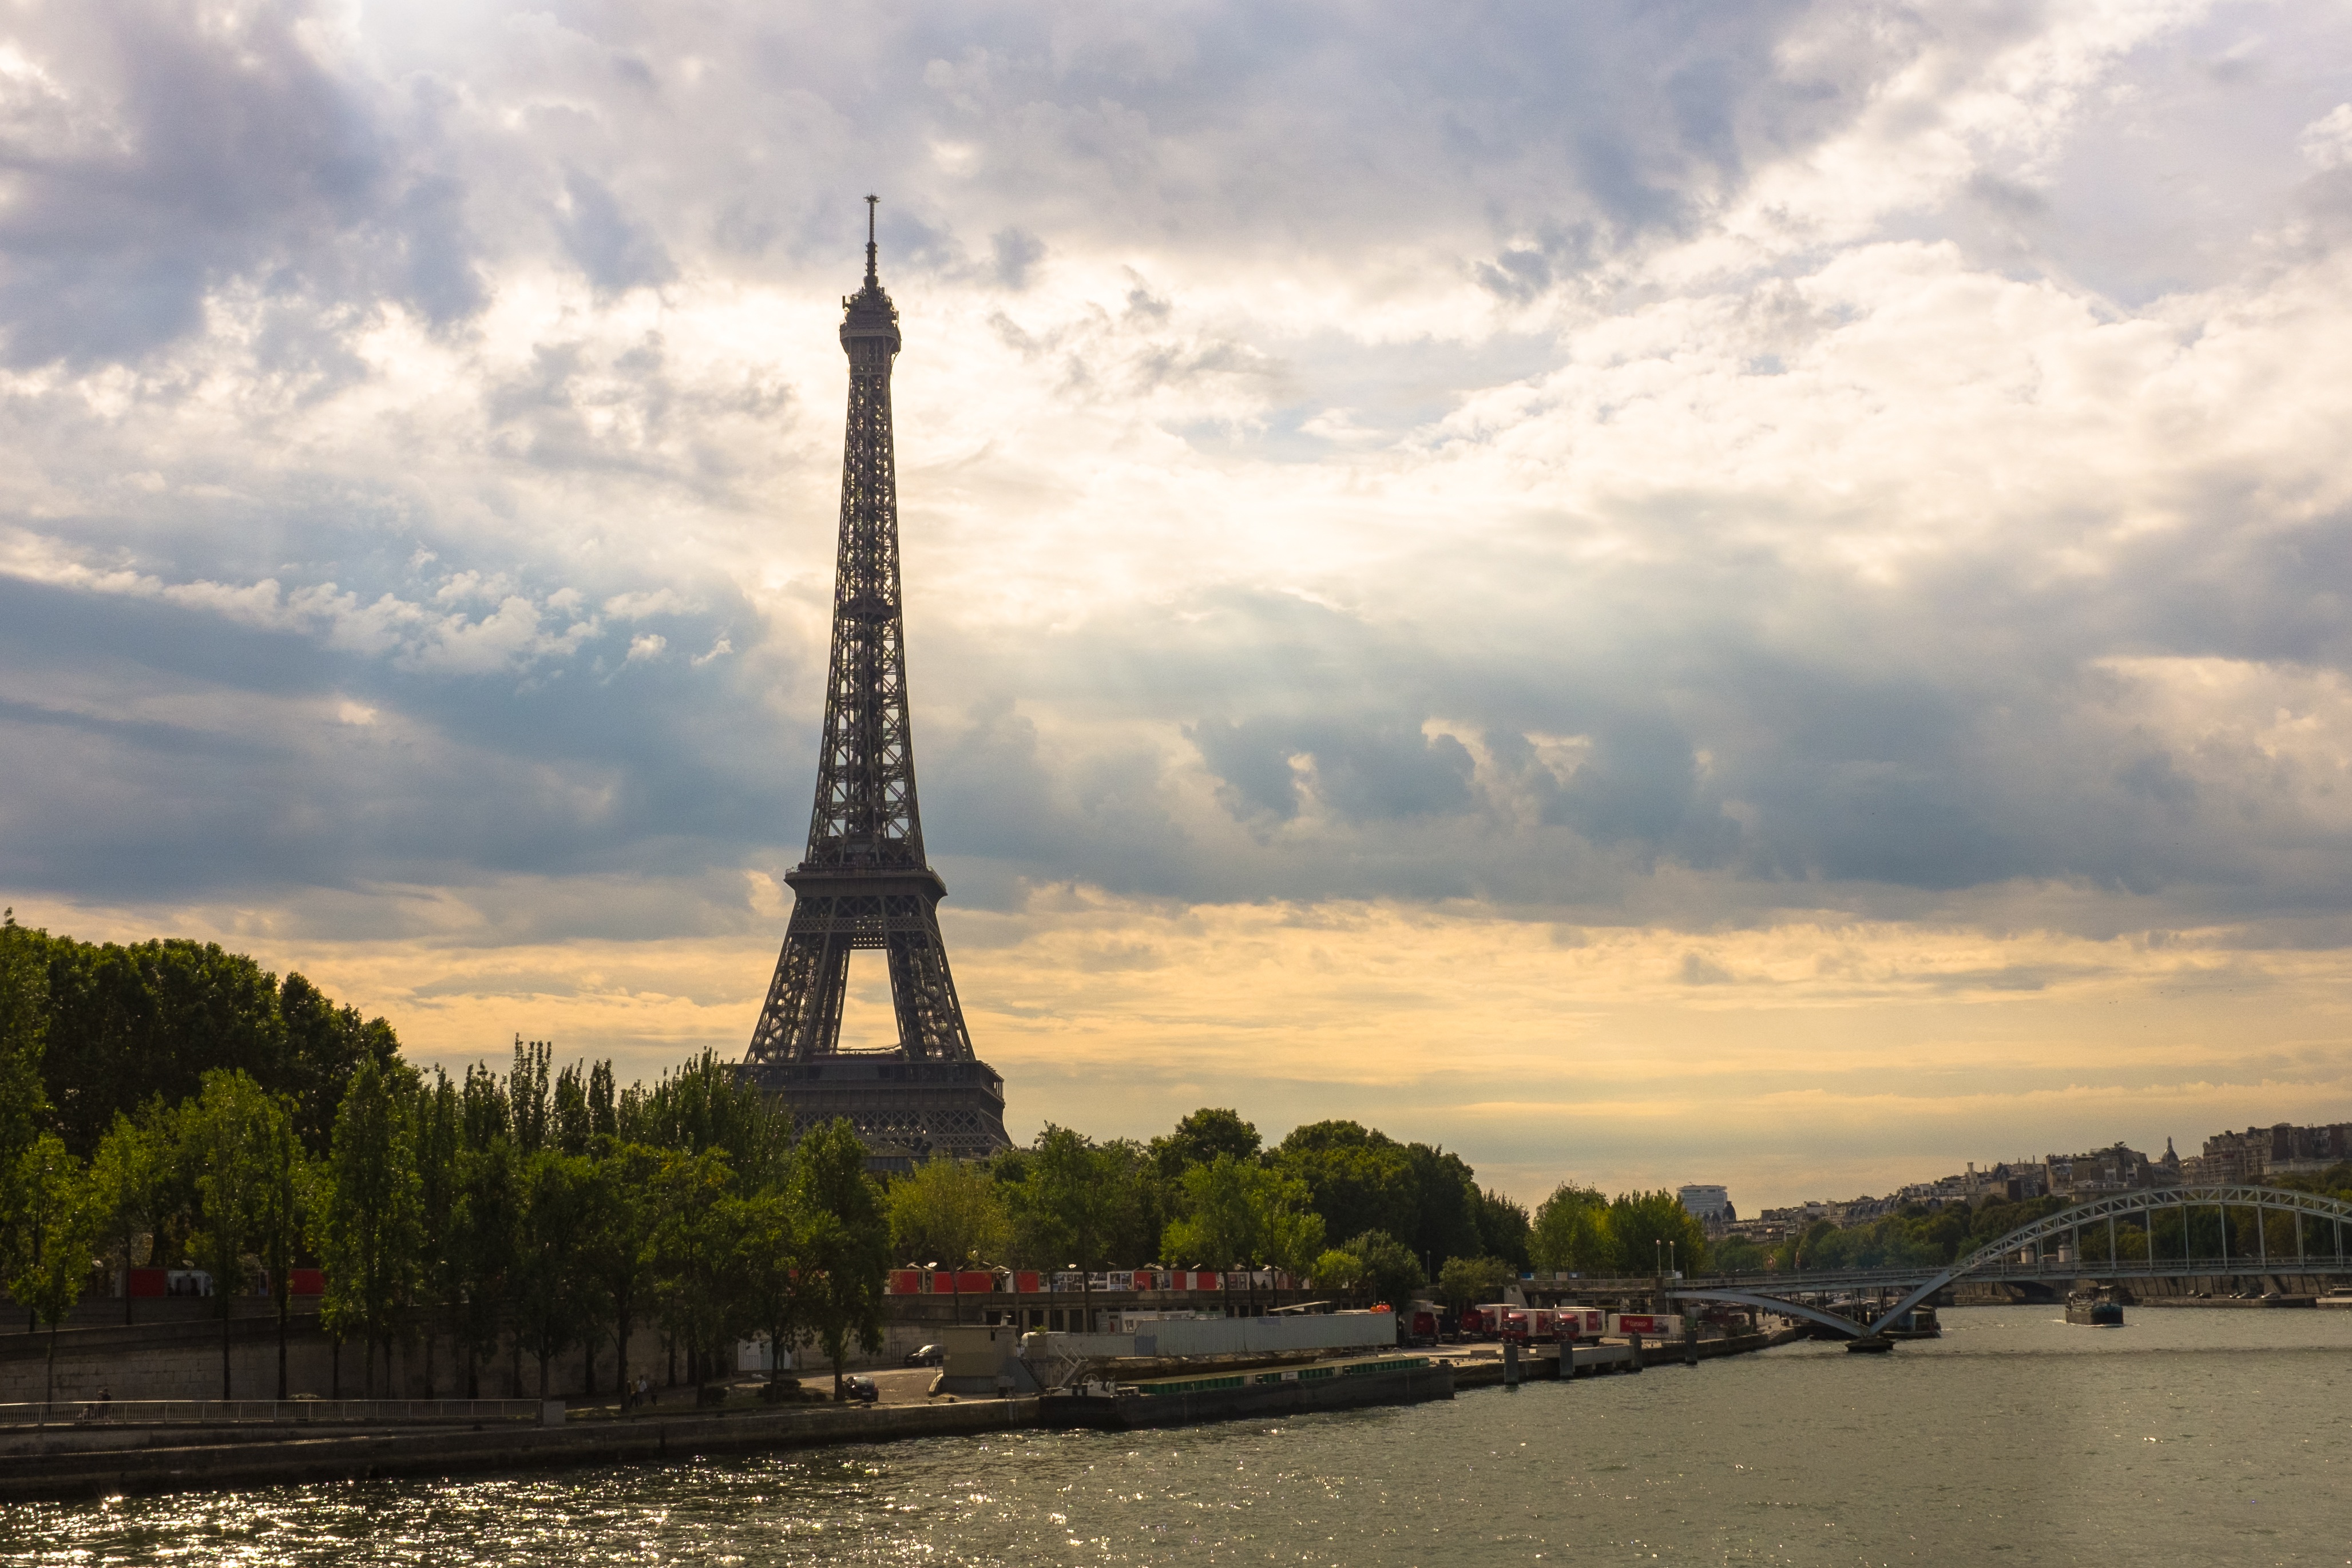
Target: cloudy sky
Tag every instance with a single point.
(1651, 592)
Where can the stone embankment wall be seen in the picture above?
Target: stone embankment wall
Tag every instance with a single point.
(2156, 1290)
(181, 1359)
(172, 1350)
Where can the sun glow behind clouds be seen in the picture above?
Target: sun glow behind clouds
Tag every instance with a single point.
(1444, 584)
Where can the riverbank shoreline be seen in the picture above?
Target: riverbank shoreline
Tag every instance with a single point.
(180, 1459)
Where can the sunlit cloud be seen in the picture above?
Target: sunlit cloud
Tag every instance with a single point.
(1772, 582)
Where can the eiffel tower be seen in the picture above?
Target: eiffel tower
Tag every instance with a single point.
(865, 882)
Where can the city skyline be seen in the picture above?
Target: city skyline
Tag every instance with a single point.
(1758, 607)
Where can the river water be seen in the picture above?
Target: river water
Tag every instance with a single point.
(2186, 1437)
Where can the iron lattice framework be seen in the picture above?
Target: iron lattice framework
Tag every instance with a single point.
(2020, 1254)
(864, 882)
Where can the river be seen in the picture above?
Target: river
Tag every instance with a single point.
(2186, 1437)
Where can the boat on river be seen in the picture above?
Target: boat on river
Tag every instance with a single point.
(2095, 1310)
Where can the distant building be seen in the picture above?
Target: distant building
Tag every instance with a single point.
(1710, 1205)
(2118, 1168)
(2260, 1151)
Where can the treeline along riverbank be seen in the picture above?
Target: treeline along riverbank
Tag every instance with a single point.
(171, 1105)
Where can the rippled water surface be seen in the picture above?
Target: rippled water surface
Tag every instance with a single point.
(2189, 1437)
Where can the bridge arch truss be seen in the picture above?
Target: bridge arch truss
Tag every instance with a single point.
(2022, 1253)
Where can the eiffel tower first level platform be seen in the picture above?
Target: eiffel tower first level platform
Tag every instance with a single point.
(864, 882)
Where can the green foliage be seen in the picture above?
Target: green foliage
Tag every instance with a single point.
(371, 1226)
(1505, 1231)
(847, 1249)
(126, 1182)
(1391, 1273)
(1738, 1255)
(949, 1212)
(1075, 1203)
(707, 1104)
(693, 1253)
(1359, 1180)
(1337, 1269)
(53, 1226)
(1571, 1233)
(125, 1024)
(778, 1244)
(24, 1032)
(1468, 1281)
(237, 1148)
(324, 1046)
(619, 1251)
(1429, 1200)
(1638, 1221)
(1237, 1214)
(554, 1295)
(1201, 1137)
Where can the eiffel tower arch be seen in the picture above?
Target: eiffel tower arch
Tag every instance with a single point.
(864, 882)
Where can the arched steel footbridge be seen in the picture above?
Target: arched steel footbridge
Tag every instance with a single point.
(2311, 1233)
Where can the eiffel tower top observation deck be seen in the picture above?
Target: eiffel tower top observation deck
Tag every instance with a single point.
(864, 882)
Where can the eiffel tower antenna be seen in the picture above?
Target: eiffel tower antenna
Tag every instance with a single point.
(864, 882)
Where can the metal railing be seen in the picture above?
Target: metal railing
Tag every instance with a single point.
(265, 1411)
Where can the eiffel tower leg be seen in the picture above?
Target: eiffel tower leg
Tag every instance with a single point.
(802, 1014)
(931, 1021)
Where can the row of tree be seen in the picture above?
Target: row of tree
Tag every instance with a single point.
(532, 1211)
(120, 1026)
(1336, 1202)
(546, 1212)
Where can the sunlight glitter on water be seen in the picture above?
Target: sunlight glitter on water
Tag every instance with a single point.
(2206, 1436)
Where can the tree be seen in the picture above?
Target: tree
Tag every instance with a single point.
(775, 1241)
(55, 1227)
(1389, 1268)
(1503, 1229)
(129, 1023)
(620, 1250)
(555, 1293)
(324, 1046)
(1201, 1137)
(24, 1033)
(1074, 1204)
(1571, 1233)
(1238, 1214)
(487, 1230)
(1640, 1221)
(369, 1224)
(1469, 1281)
(440, 1209)
(707, 1104)
(848, 1248)
(1360, 1180)
(946, 1209)
(126, 1187)
(694, 1255)
(226, 1137)
(281, 1216)
(1339, 1269)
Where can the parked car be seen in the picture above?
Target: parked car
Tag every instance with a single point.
(929, 1356)
(861, 1388)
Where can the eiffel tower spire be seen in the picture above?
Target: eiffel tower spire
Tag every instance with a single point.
(864, 882)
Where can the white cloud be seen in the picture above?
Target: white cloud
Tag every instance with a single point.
(2327, 142)
(1599, 466)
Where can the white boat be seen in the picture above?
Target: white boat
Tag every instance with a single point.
(2339, 1297)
